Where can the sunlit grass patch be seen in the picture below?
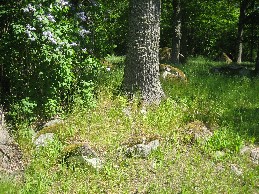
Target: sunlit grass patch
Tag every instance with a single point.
(226, 106)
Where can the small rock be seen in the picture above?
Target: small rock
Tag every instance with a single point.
(255, 155)
(220, 168)
(236, 170)
(5, 138)
(44, 139)
(142, 150)
(143, 111)
(82, 153)
(10, 154)
(10, 158)
(52, 122)
(94, 162)
(127, 111)
(245, 149)
(219, 154)
(198, 131)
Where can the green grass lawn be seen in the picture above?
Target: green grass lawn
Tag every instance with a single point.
(227, 105)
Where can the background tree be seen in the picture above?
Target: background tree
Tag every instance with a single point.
(241, 22)
(142, 64)
(176, 35)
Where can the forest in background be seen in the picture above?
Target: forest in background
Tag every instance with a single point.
(53, 51)
(69, 126)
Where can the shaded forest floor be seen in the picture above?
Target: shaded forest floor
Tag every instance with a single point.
(227, 106)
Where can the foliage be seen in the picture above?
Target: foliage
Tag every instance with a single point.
(186, 167)
(47, 56)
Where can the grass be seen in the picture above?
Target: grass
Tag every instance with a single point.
(228, 105)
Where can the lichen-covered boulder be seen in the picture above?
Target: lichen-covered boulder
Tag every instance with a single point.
(77, 154)
(47, 133)
(140, 146)
(43, 139)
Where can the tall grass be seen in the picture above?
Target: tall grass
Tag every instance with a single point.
(229, 106)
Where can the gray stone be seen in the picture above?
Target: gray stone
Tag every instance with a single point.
(10, 154)
(236, 170)
(94, 162)
(44, 139)
(82, 154)
(53, 122)
(245, 150)
(142, 150)
(127, 111)
(219, 154)
(198, 131)
(10, 158)
(255, 155)
(5, 138)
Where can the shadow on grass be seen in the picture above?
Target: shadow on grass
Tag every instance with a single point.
(245, 121)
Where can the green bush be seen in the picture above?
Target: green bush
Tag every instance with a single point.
(47, 57)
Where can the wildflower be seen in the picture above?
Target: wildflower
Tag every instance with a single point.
(29, 8)
(39, 18)
(108, 69)
(28, 33)
(84, 50)
(32, 39)
(82, 16)
(47, 34)
(93, 2)
(73, 44)
(29, 27)
(26, 9)
(51, 18)
(84, 32)
(63, 3)
(52, 40)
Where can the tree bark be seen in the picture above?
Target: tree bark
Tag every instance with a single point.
(141, 72)
(177, 22)
(241, 21)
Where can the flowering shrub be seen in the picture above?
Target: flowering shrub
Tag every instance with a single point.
(47, 55)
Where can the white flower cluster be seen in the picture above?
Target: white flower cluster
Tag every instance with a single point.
(29, 8)
(29, 30)
(51, 18)
(84, 32)
(82, 16)
(73, 44)
(49, 36)
(40, 18)
(63, 3)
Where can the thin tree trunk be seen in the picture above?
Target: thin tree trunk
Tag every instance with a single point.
(242, 15)
(177, 22)
(141, 72)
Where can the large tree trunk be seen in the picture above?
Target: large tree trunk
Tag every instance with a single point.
(177, 22)
(241, 23)
(141, 72)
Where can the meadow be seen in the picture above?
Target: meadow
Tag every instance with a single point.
(227, 105)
